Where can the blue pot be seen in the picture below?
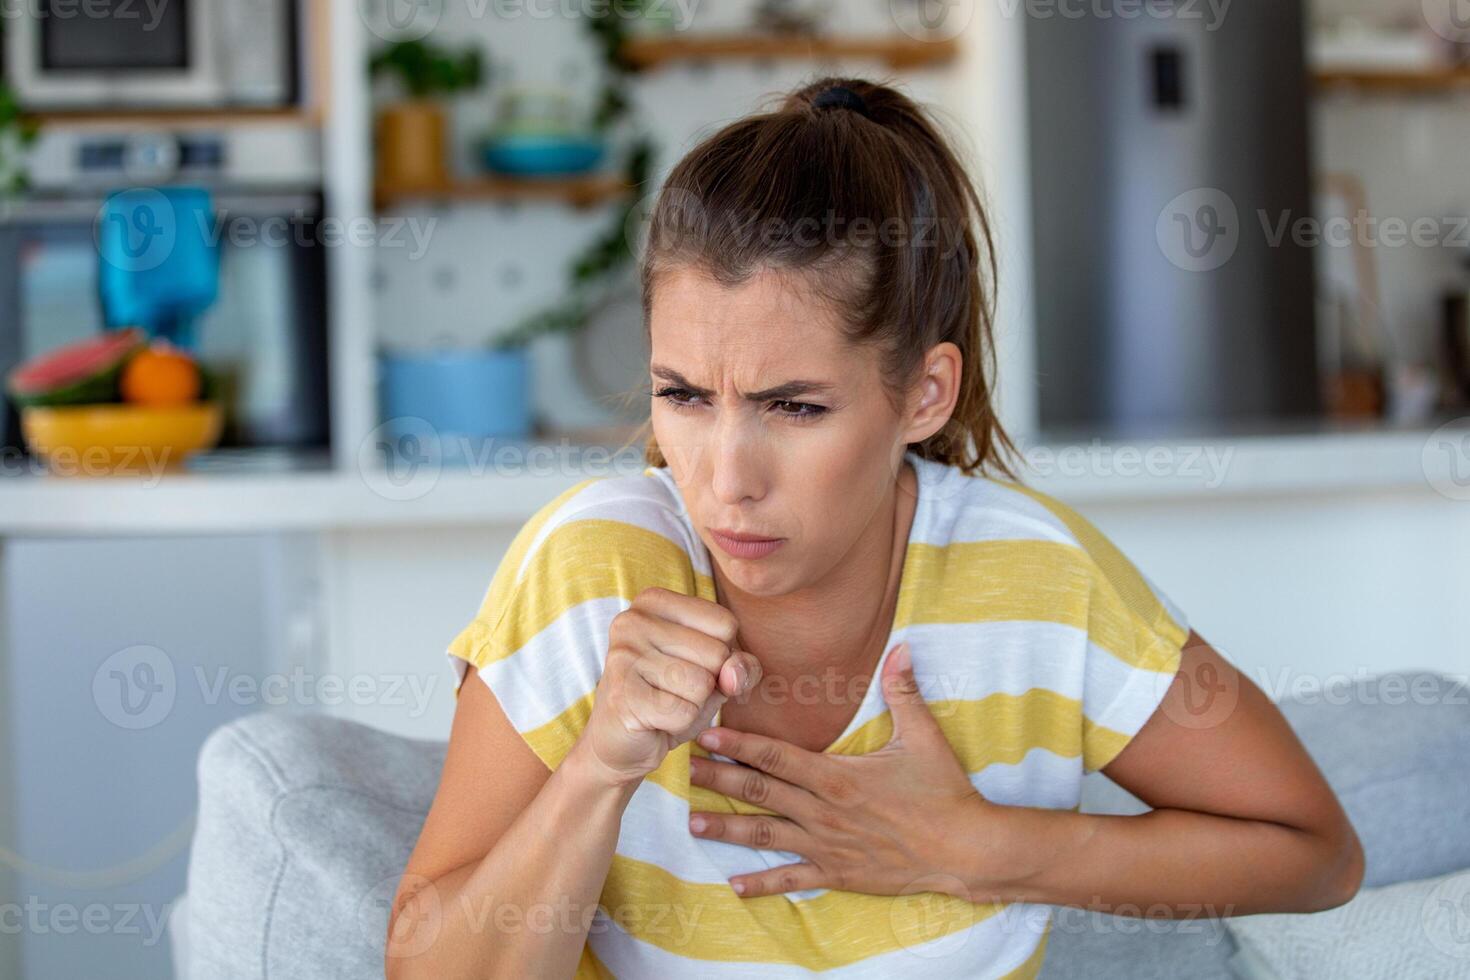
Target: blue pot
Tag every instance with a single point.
(543, 155)
(465, 396)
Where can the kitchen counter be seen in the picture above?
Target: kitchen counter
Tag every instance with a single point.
(243, 492)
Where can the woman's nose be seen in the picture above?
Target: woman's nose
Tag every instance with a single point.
(736, 471)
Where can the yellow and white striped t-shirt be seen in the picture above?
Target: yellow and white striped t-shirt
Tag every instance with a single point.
(1041, 649)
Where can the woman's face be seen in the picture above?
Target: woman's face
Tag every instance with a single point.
(771, 423)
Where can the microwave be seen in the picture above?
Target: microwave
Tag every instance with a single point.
(99, 54)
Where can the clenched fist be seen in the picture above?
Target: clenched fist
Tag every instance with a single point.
(671, 663)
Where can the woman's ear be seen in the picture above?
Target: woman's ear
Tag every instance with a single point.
(934, 395)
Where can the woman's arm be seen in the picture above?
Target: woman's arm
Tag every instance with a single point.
(1243, 820)
(511, 860)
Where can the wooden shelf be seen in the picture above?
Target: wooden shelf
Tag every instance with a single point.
(898, 52)
(1428, 81)
(176, 118)
(583, 191)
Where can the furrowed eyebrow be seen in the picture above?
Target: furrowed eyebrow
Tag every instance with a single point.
(782, 392)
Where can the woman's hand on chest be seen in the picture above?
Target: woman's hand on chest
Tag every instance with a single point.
(899, 820)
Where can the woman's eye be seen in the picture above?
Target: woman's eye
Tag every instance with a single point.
(800, 410)
(678, 397)
(683, 398)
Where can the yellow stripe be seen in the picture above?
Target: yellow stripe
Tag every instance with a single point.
(611, 559)
(1026, 581)
(1115, 566)
(589, 967)
(501, 586)
(997, 729)
(710, 922)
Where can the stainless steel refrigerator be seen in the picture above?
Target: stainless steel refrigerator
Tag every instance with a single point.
(1169, 150)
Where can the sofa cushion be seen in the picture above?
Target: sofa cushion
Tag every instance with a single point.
(1412, 929)
(1395, 748)
(305, 824)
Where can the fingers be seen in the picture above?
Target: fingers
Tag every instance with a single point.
(761, 831)
(783, 760)
(640, 630)
(740, 672)
(752, 786)
(691, 612)
(689, 681)
(656, 709)
(787, 878)
(911, 715)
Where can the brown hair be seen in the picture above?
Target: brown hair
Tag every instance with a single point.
(900, 259)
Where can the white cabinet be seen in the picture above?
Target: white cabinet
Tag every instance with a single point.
(123, 654)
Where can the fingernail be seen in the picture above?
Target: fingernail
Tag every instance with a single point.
(708, 739)
(739, 887)
(901, 656)
(742, 678)
(697, 824)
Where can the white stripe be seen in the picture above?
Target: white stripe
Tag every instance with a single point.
(1134, 703)
(557, 667)
(992, 948)
(952, 661)
(971, 661)
(977, 509)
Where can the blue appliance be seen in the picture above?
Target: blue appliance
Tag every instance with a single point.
(159, 260)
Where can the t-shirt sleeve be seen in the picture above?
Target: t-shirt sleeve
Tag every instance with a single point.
(539, 639)
(1135, 642)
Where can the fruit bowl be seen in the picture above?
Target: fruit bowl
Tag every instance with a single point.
(107, 439)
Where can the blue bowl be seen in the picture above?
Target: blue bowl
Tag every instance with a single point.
(531, 155)
(465, 397)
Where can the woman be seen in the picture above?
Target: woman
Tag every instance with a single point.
(898, 661)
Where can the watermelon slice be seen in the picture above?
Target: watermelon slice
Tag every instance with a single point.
(82, 373)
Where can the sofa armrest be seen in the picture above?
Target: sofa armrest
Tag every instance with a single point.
(305, 824)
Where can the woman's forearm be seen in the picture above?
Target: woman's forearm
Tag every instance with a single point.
(525, 908)
(1167, 863)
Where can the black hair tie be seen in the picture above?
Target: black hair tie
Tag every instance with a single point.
(839, 96)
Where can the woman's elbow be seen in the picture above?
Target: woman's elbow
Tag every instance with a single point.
(1342, 872)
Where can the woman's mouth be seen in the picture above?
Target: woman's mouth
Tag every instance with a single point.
(745, 545)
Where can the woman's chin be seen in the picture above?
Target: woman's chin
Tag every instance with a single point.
(755, 577)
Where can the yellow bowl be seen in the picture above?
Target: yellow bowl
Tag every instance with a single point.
(111, 439)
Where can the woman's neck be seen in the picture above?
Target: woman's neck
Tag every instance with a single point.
(840, 623)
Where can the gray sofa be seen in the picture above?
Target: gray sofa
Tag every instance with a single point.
(305, 823)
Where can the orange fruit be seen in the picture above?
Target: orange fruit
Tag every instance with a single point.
(161, 376)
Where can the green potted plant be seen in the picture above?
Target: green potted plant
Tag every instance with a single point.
(412, 133)
(16, 134)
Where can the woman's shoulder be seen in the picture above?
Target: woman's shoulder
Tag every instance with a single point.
(982, 507)
(1041, 530)
(592, 547)
(607, 535)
